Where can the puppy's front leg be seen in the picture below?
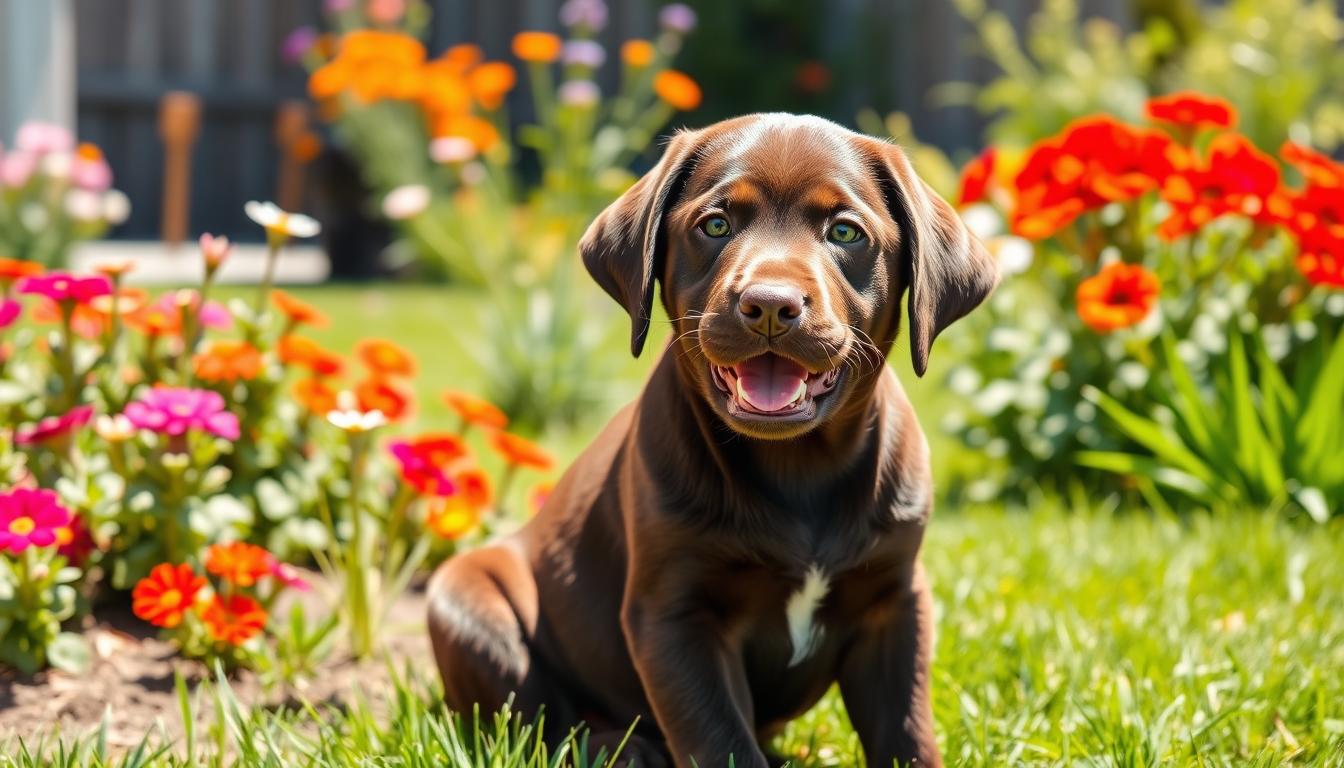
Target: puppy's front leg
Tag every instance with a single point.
(885, 683)
(690, 677)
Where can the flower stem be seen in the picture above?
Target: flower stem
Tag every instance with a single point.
(267, 277)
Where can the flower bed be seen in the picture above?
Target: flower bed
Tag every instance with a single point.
(190, 452)
(1179, 329)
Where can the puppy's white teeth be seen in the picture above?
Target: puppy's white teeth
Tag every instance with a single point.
(742, 393)
(801, 394)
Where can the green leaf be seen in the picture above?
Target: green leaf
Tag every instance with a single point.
(1151, 435)
(69, 652)
(1319, 429)
(1144, 466)
(1257, 461)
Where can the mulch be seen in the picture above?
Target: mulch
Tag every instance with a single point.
(131, 682)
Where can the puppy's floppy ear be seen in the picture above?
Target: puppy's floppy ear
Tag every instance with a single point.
(623, 247)
(947, 269)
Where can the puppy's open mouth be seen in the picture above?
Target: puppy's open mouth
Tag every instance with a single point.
(772, 386)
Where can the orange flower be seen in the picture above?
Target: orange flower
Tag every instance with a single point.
(128, 302)
(1119, 296)
(473, 485)
(385, 358)
(305, 148)
(638, 53)
(166, 594)
(452, 517)
(1235, 178)
(976, 178)
(677, 89)
(490, 82)
(112, 268)
(12, 270)
(376, 394)
(297, 311)
(480, 132)
(304, 352)
(235, 619)
(1191, 110)
(85, 321)
(464, 56)
(1322, 267)
(520, 451)
(315, 395)
(228, 360)
(238, 562)
(475, 410)
(537, 47)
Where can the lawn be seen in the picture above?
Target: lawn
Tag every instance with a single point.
(1064, 639)
(1065, 636)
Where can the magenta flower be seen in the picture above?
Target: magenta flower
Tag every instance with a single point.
(174, 410)
(297, 43)
(9, 312)
(53, 427)
(63, 286)
(30, 518)
(289, 576)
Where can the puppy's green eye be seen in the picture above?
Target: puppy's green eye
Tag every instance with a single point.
(716, 226)
(844, 233)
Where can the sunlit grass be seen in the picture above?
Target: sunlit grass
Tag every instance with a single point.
(1064, 639)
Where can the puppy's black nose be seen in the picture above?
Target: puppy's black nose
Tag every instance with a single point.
(770, 309)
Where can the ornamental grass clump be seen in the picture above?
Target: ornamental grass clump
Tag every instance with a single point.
(1178, 229)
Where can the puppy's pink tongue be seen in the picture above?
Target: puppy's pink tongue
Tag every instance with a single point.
(769, 382)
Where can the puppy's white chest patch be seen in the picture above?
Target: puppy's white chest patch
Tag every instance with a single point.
(801, 610)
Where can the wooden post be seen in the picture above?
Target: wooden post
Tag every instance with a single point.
(291, 126)
(179, 127)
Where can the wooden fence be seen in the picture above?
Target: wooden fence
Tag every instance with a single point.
(131, 52)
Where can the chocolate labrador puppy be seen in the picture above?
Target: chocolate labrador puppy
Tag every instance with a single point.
(746, 533)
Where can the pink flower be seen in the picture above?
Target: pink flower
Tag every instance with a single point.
(212, 315)
(41, 138)
(91, 174)
(16, 168)
(677, 18)
(9, 312)
(30, 518)
(63, 286)
(297, 44)
(174, 410)
(289, 576)
(53, 427)
(215, 249)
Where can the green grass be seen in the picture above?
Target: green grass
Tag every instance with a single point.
(1079, 639)
(1064, 638)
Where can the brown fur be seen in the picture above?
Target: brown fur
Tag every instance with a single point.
(654, 582)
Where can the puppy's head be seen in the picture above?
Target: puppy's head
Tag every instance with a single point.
(783, 244)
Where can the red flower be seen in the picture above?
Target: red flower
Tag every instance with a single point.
(475, 410)
(303, 351)
(1119, 296)
(427, 462)
(314, 395)
(975, 177)
(1191, 109)
(474, 486)
(1235, 178)
(1319, 170)
(235, 619)
(1092, 162)
(166, 594)
(53, 427)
